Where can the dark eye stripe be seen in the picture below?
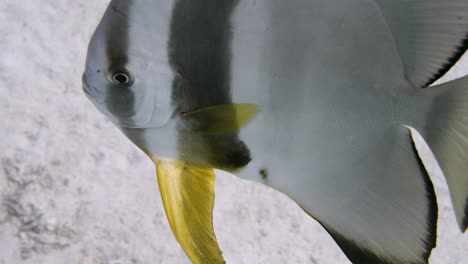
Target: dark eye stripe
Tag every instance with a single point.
(117, 35)
(120, 102)
(206, 65)
(204, 70)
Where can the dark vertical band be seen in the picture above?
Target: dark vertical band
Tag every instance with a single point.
(119, 100)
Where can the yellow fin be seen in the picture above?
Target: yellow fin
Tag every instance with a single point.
(187, 193)
(220, 119)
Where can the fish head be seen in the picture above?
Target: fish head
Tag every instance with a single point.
(127, 76)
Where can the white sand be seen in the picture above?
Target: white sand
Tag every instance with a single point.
(73, 189)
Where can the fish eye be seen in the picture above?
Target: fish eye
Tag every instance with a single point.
(121, 78)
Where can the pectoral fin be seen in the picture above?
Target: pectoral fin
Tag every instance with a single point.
(187, 193)
(221, 119)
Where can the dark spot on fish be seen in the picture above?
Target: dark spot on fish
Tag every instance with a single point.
(98, 70)
(240, 157)
(263, 173)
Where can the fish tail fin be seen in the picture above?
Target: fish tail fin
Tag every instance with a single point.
(446, 132)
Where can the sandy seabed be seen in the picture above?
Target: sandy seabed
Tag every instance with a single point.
(73, 189)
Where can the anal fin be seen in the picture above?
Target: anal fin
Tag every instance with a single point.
(187, 192)
(383, 210)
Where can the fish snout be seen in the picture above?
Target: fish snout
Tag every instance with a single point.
(91, 91)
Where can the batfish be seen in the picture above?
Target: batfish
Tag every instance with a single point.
(314, 98)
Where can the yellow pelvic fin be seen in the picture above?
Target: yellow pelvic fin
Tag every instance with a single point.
(221, 119)
(187, 193)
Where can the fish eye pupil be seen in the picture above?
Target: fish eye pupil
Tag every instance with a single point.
(121, 78)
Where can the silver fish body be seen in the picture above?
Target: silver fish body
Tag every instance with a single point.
(338, 85)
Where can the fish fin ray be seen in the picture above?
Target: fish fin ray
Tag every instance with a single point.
(187, 192)
(221, 119)
(430, 36)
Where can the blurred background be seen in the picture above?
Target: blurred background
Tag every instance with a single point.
(73, 189)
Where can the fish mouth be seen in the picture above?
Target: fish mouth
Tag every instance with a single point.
(90, 91)
(85, 86)
(86, 91)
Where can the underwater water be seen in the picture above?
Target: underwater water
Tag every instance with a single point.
(73, 189)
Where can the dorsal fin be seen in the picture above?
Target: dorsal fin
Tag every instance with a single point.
(430, 35)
